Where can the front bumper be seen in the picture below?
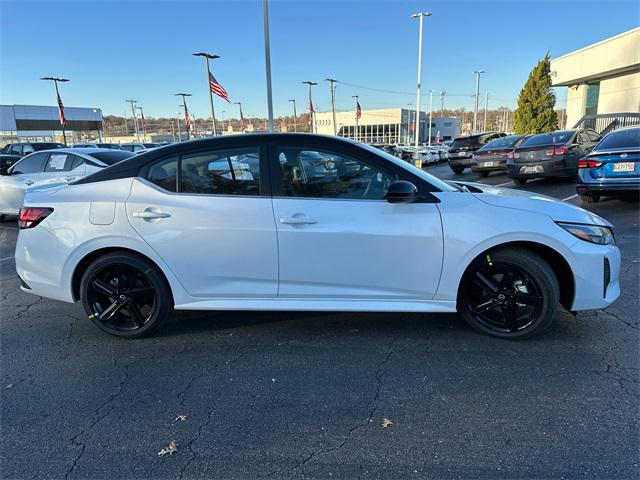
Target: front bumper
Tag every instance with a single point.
(596, 284)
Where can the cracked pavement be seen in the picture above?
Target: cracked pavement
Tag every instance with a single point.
(302, 395)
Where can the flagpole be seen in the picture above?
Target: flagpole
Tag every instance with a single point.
(357, 135)
(64, 135)
(267, 61)
(213, 112)
(311, 109)
(55, 81)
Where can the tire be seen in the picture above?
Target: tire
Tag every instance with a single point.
(110, 282)
(519, 181)
(457, 170)
(589, 198)
(484, 174)
(536, 284)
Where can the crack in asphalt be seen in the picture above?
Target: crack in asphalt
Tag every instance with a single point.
(631, 325)
(75, 440)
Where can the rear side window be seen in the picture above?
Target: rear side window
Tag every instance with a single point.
(219, 172)
(59, 162)
(31, 164)
(165, 174)
(112, 157)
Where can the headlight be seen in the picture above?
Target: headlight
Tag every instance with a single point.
(590, 233)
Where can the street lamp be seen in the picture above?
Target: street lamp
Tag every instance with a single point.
(421, 16)
(295, 115)
(241, 117)
(207, 57)
(475, 108)
(332, 86)
(430, 113)
(223, 112)
(311, 110)
(63, 120)
(267, 61)
(144, 127)
(357, 131)
(135, 118)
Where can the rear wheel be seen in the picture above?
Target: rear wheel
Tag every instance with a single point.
(457, 170)
(519, 181)
(484, 174)
(511, 293)
(125, 295)
(589, 198)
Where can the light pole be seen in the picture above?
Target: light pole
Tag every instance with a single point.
(135, 119)
(144, 127)
(311, 110)
(187, 117)
(178, 123)
(207, 57)
(357, 135)
(332, 87)
(63, 119)
(295, 115)
(223, 112)
(241, 117)
(442, 94)
(477, 96)
(430, 113)
(267, 61)
(486, 107)
(421, 16)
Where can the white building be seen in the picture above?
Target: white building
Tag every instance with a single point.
(390, 125)
(603, 81)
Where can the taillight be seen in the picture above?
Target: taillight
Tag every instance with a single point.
(586, 163)
(29, 217)
(513, 155)
(556, 151)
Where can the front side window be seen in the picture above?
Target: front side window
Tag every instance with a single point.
(31, 164)
(16, 149)
(221, 172)
(320, 174)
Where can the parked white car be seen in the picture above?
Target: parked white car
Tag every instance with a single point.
(50, 167)
(307, 222)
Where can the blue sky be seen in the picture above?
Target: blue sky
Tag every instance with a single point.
(115, 50)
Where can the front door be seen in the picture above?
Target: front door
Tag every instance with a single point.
(339, 238)
(212, 224)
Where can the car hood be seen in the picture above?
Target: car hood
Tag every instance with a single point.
(558, 210)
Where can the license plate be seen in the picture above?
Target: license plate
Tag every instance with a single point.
(488, 164)
(533, 169)
(624, 167)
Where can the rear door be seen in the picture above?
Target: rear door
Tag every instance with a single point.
(208, 214)
(61, 167)
(22, 176)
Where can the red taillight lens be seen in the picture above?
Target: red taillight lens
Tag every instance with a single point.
(513, 155)
(29, 217)
(556, 151)
(586, 163)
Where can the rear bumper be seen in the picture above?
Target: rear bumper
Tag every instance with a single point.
(549, 168)
(497, 168)
(464, 162)
(607, 188)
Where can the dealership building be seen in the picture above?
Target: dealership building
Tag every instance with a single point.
(390, 125)
(603, 82)
(40, 123)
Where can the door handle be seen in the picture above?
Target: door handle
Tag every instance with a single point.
(298, 220)
(68, 179)
(29, 182)
(151, 214)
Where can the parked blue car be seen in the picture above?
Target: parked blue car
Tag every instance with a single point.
(612, 168)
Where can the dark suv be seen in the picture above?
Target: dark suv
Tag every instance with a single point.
(13, 152)
(462, 149)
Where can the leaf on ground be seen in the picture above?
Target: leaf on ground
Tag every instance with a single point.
(180, 418)
(386, 422)
(169, 449)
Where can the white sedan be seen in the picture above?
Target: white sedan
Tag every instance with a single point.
(249, 223)
(50, 167)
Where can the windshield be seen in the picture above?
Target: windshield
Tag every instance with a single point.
(47, 146)
(112, 157)
(465, 142)
(501, 143)
(435, 181)
(544, 139)
(620, 139)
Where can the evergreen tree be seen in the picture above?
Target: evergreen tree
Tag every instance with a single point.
(535, 112)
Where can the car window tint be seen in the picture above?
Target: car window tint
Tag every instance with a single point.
(165, 174)
(76, 162)
(621, 139)
(221, 172)
(321, 174)
(31, 164)
(16, 149)
(59, 162)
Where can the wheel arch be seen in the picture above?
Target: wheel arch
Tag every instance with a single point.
(82, 265)
(556, 261)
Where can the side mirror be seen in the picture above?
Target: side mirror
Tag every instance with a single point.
(402, 191)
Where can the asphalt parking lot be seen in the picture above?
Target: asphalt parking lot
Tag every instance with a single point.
(306, 395)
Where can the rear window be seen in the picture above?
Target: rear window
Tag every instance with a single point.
(112, 157)
(552, 138)
(46, 146)
(502, 143)
(465, 142)
(620, 139)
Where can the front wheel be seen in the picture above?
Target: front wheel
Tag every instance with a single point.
(484, 174)
(457, 170)
(510, 293)
(125, 295)
(519, 181)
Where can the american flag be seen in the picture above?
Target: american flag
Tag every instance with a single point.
(217, 88)
(358, 110)
(187, 121)
(63, 119)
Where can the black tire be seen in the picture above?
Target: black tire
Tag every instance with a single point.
(138, 288)
(533, 282)
(589, 198)
(519, 181)
(484, 174)
(457, 170)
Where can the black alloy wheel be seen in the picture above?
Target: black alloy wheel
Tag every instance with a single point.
(125, 295)
(457, 170)
(519, 181)
(484, 174)
(511, 293)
